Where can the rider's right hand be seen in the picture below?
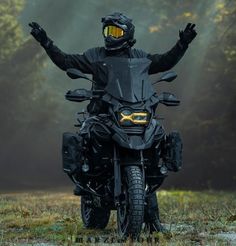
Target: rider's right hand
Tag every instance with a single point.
(40, 35)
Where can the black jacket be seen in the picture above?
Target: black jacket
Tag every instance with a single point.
(88, 63)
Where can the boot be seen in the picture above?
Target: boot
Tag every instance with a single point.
(78, 191)
(151, 217)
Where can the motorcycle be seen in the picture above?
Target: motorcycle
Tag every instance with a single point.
(121, 157)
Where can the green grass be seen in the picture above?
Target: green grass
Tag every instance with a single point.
(193, 218)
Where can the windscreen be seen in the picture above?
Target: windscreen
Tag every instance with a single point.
(128, 79)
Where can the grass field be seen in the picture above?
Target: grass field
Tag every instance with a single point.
(53, 218)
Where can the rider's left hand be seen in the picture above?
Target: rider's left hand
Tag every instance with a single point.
(188, 34)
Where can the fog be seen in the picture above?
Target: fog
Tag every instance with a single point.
(31, 155)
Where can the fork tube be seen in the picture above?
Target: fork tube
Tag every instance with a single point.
(117, 177)
(142, 164)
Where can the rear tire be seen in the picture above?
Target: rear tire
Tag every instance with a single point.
(130, 213)
(93, 217)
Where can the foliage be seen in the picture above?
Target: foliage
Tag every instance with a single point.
(11, 32)
(21, 63)
(211, 121)
(26, 108)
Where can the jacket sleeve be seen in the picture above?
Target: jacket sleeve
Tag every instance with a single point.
(164, 62)
(65, 61)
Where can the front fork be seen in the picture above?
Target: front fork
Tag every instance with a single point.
(117, 174)
(117, 177)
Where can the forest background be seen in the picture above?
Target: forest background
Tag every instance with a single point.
(34, 113)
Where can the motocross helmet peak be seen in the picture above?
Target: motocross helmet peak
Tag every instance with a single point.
(118, 31)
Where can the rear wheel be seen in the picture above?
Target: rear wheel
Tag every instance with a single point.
(130, 213)
(93, 217)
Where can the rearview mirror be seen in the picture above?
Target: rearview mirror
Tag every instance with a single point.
(168, 77)
(74, 73)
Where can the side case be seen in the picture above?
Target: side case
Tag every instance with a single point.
(71, 152)
(173, 152)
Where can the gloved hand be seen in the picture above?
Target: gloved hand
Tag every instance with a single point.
(188, 34)
(40, 35)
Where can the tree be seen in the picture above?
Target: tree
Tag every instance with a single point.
(24, 107)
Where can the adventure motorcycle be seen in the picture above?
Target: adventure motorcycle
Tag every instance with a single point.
(120, 158)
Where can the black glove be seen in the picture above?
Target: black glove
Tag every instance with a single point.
(40, 35)
(188, 34)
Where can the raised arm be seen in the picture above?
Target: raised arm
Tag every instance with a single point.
(164, 62)
(61, 59)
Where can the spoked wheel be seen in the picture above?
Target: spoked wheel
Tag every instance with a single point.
(130, 213)
(93, 217)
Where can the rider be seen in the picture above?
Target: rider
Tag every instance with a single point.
(118, 33)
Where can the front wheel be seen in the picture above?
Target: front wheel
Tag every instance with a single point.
(130, 212)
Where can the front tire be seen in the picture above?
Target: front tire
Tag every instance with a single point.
(93, 217)
(130, 213)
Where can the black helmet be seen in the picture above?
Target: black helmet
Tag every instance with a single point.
(118, 31)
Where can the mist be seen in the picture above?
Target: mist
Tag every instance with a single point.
(30, 155)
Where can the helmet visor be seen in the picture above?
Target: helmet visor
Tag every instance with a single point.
(113, 31)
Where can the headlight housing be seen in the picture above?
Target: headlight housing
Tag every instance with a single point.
(128, 117)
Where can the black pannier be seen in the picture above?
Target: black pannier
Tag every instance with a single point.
(173, 152)
(72, 152)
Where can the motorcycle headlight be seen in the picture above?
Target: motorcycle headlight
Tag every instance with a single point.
(127, 118)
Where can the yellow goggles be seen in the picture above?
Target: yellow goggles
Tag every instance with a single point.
(113, 31)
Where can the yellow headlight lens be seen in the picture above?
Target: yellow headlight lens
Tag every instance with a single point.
(135, 118)
(114, 31)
